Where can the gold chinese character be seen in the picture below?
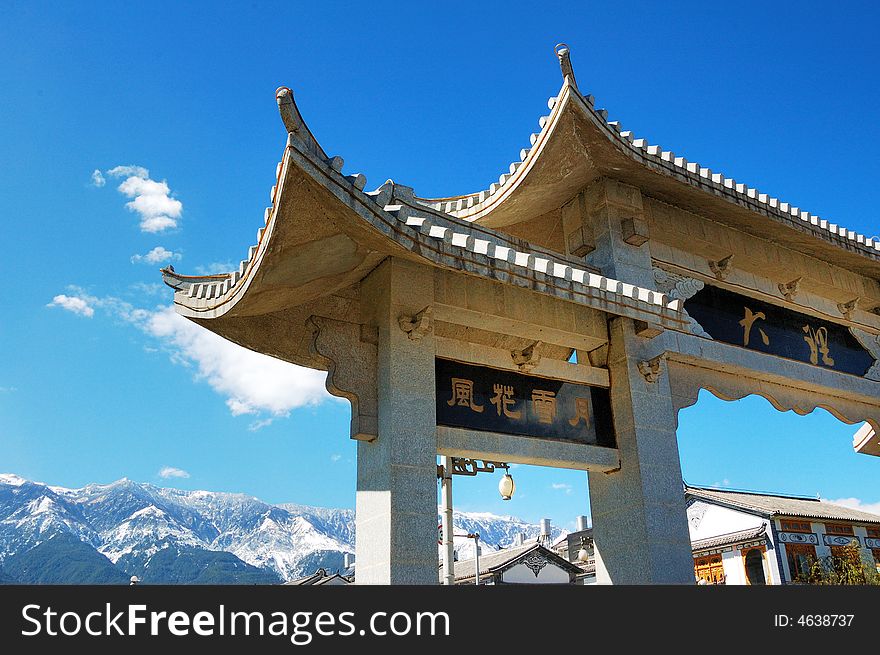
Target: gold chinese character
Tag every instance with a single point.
(747, 326)
(503, 400)
(818, 342)
(544, 405)
(463, 394)
(582, 411)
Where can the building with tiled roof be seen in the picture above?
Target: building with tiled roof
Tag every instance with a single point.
(528, 563)
(742, 537)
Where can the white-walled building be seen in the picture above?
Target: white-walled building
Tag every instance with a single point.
(529, 563)
(756, 538)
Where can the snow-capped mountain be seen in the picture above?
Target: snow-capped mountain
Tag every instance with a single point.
(148, 531)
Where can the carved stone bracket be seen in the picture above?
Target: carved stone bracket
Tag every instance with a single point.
(680, 287)
(419, 325)
(721, 269)
(790, 289)
(350, 356)
(847, 308)
(871, 343)
(651, 369)
(527, 358)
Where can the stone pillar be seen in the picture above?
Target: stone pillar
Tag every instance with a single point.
(639, 515)
(396, 507)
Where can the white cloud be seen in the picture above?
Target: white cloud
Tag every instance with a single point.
(335, 457)
(74, 304)
(251, 382)
(150, 199)
(157, 255)
(560, 486)
(8, 389)
(172, 472)
(98, 179)
(856, 503)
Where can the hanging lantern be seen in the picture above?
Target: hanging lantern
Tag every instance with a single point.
(506, 487)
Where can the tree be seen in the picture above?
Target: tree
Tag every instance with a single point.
(848, 568)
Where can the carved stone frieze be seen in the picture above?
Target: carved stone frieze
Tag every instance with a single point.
(350, 356)
(847, 308)
(871, 343)
(790, 289)
(419, 325)
(686, 381)
(651, 369)
(721, 269)
(680, 287)
(527, 358)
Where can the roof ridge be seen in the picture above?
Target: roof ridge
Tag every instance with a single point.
(467, 206)
(750, 492)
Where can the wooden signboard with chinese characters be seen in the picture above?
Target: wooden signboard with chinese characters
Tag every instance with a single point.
(743, 321)
(483, 398)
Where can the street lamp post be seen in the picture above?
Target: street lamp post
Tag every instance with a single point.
(464, 466)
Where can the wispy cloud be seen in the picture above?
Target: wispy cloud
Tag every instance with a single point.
(157, 255)
(252, 383)
(148, 288)
(172, 472)
(335, 457)
(150, 199)
(74, 304)
(260, 424)
(216, 267)
(857, 503)
(724, 483)
(98, 179)
(561, 486)
(8, 389)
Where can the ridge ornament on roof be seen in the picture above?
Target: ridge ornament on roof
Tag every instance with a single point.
(377, 287)
(478, 205)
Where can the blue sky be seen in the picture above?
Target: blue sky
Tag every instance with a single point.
(98, 381)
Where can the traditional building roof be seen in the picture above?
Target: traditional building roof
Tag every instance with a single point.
(740, 536)
(322, 233)
(773, 505)
(577, 142)
(320, 577)
(506, 558)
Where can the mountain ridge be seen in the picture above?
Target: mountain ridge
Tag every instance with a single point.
(168, 535)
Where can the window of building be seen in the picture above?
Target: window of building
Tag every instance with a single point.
(873, 532)
(753, 559)
(800, 558)
(710, 569)
(795, 526)
(838, 528)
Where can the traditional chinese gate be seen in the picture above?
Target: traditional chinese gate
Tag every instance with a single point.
(450, 323)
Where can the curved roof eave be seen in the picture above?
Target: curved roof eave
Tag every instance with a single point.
(323, 233)
(572, 148)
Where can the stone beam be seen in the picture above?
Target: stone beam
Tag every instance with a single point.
(531, 330)
(555, 369)
(477, 444)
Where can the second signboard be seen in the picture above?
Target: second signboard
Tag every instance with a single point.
(483, 398)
